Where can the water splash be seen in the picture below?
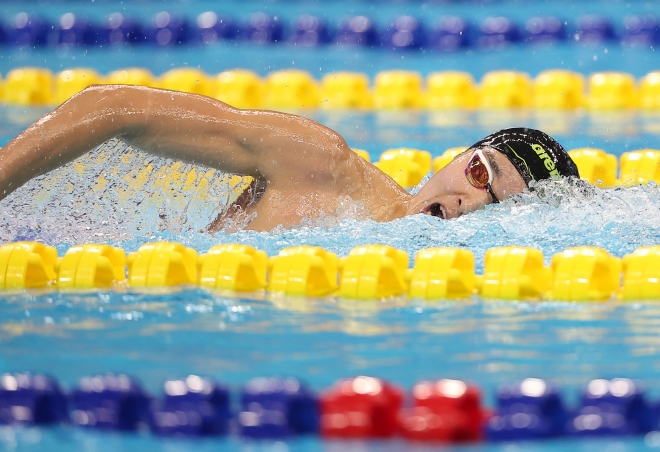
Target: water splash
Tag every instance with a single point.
(553, 216)
(115, 193)
(347, 209)
(421, 184)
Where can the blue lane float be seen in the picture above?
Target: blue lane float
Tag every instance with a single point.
(447, 33)
(263, 29)
(310, 31)
(168, 29)
(545, 30)
(279, 408)
(497, 32)
(28, 30)
(193, 406)
(109, 402)
(212, 28)
(527, 410)
(31, 400)
(612, 408)
(120, 29)
(450, 33)
(357, 31)
(404, 32)
(595, 29)
(74, 30)
(640, 30)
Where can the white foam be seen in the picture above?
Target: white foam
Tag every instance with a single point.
(115, 193)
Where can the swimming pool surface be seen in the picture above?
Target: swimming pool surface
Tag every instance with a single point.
(160, 334)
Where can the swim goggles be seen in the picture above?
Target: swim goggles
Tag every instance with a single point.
(479, 173)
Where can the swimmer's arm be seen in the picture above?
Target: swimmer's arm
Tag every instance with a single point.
(272, 146)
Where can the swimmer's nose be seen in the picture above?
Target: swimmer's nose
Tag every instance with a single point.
(453, 207)
(467, 204)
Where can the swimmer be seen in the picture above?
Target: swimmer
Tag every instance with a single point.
(301, 169)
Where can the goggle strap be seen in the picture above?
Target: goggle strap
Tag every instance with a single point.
(492, 193)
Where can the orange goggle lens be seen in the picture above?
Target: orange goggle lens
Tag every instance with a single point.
(477, 173)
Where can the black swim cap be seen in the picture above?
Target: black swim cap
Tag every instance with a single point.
(536, 155)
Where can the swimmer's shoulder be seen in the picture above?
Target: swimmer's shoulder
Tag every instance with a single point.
(380, 194)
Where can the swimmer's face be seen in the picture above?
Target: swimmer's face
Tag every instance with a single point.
(449, 194)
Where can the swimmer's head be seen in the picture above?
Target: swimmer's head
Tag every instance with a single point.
(536, 155)
(499, 166)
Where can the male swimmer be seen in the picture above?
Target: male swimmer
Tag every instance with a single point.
(301, 169)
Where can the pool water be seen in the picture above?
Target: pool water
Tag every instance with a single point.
(160, 334)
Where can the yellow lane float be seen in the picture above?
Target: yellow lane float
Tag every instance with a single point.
(641, 274)
(291, 88)
(558, 89)
(514, 273)
(585, 273)
(240, 268)
(345, 90)
(29, 86)
(186, 79)
(162, 264)
(130, 76)
(91, 266)
(303, 270)
(611, 91)
(239, 88)
(640, 167)
(406, 166)
(595, 166)
(398, 90)
(450, 90)
(26, 265)
(505, 89)
(368, 272)
(442, 273)
(555, 89)
(372, 272)
(72, 81)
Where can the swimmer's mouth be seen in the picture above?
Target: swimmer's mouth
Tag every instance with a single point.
(435, 210)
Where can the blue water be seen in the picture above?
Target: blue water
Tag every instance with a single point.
(160, 334)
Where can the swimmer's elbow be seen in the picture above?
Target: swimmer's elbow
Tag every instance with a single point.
(109, 110)
(93, 99)
(112, 94)
(92, 92)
